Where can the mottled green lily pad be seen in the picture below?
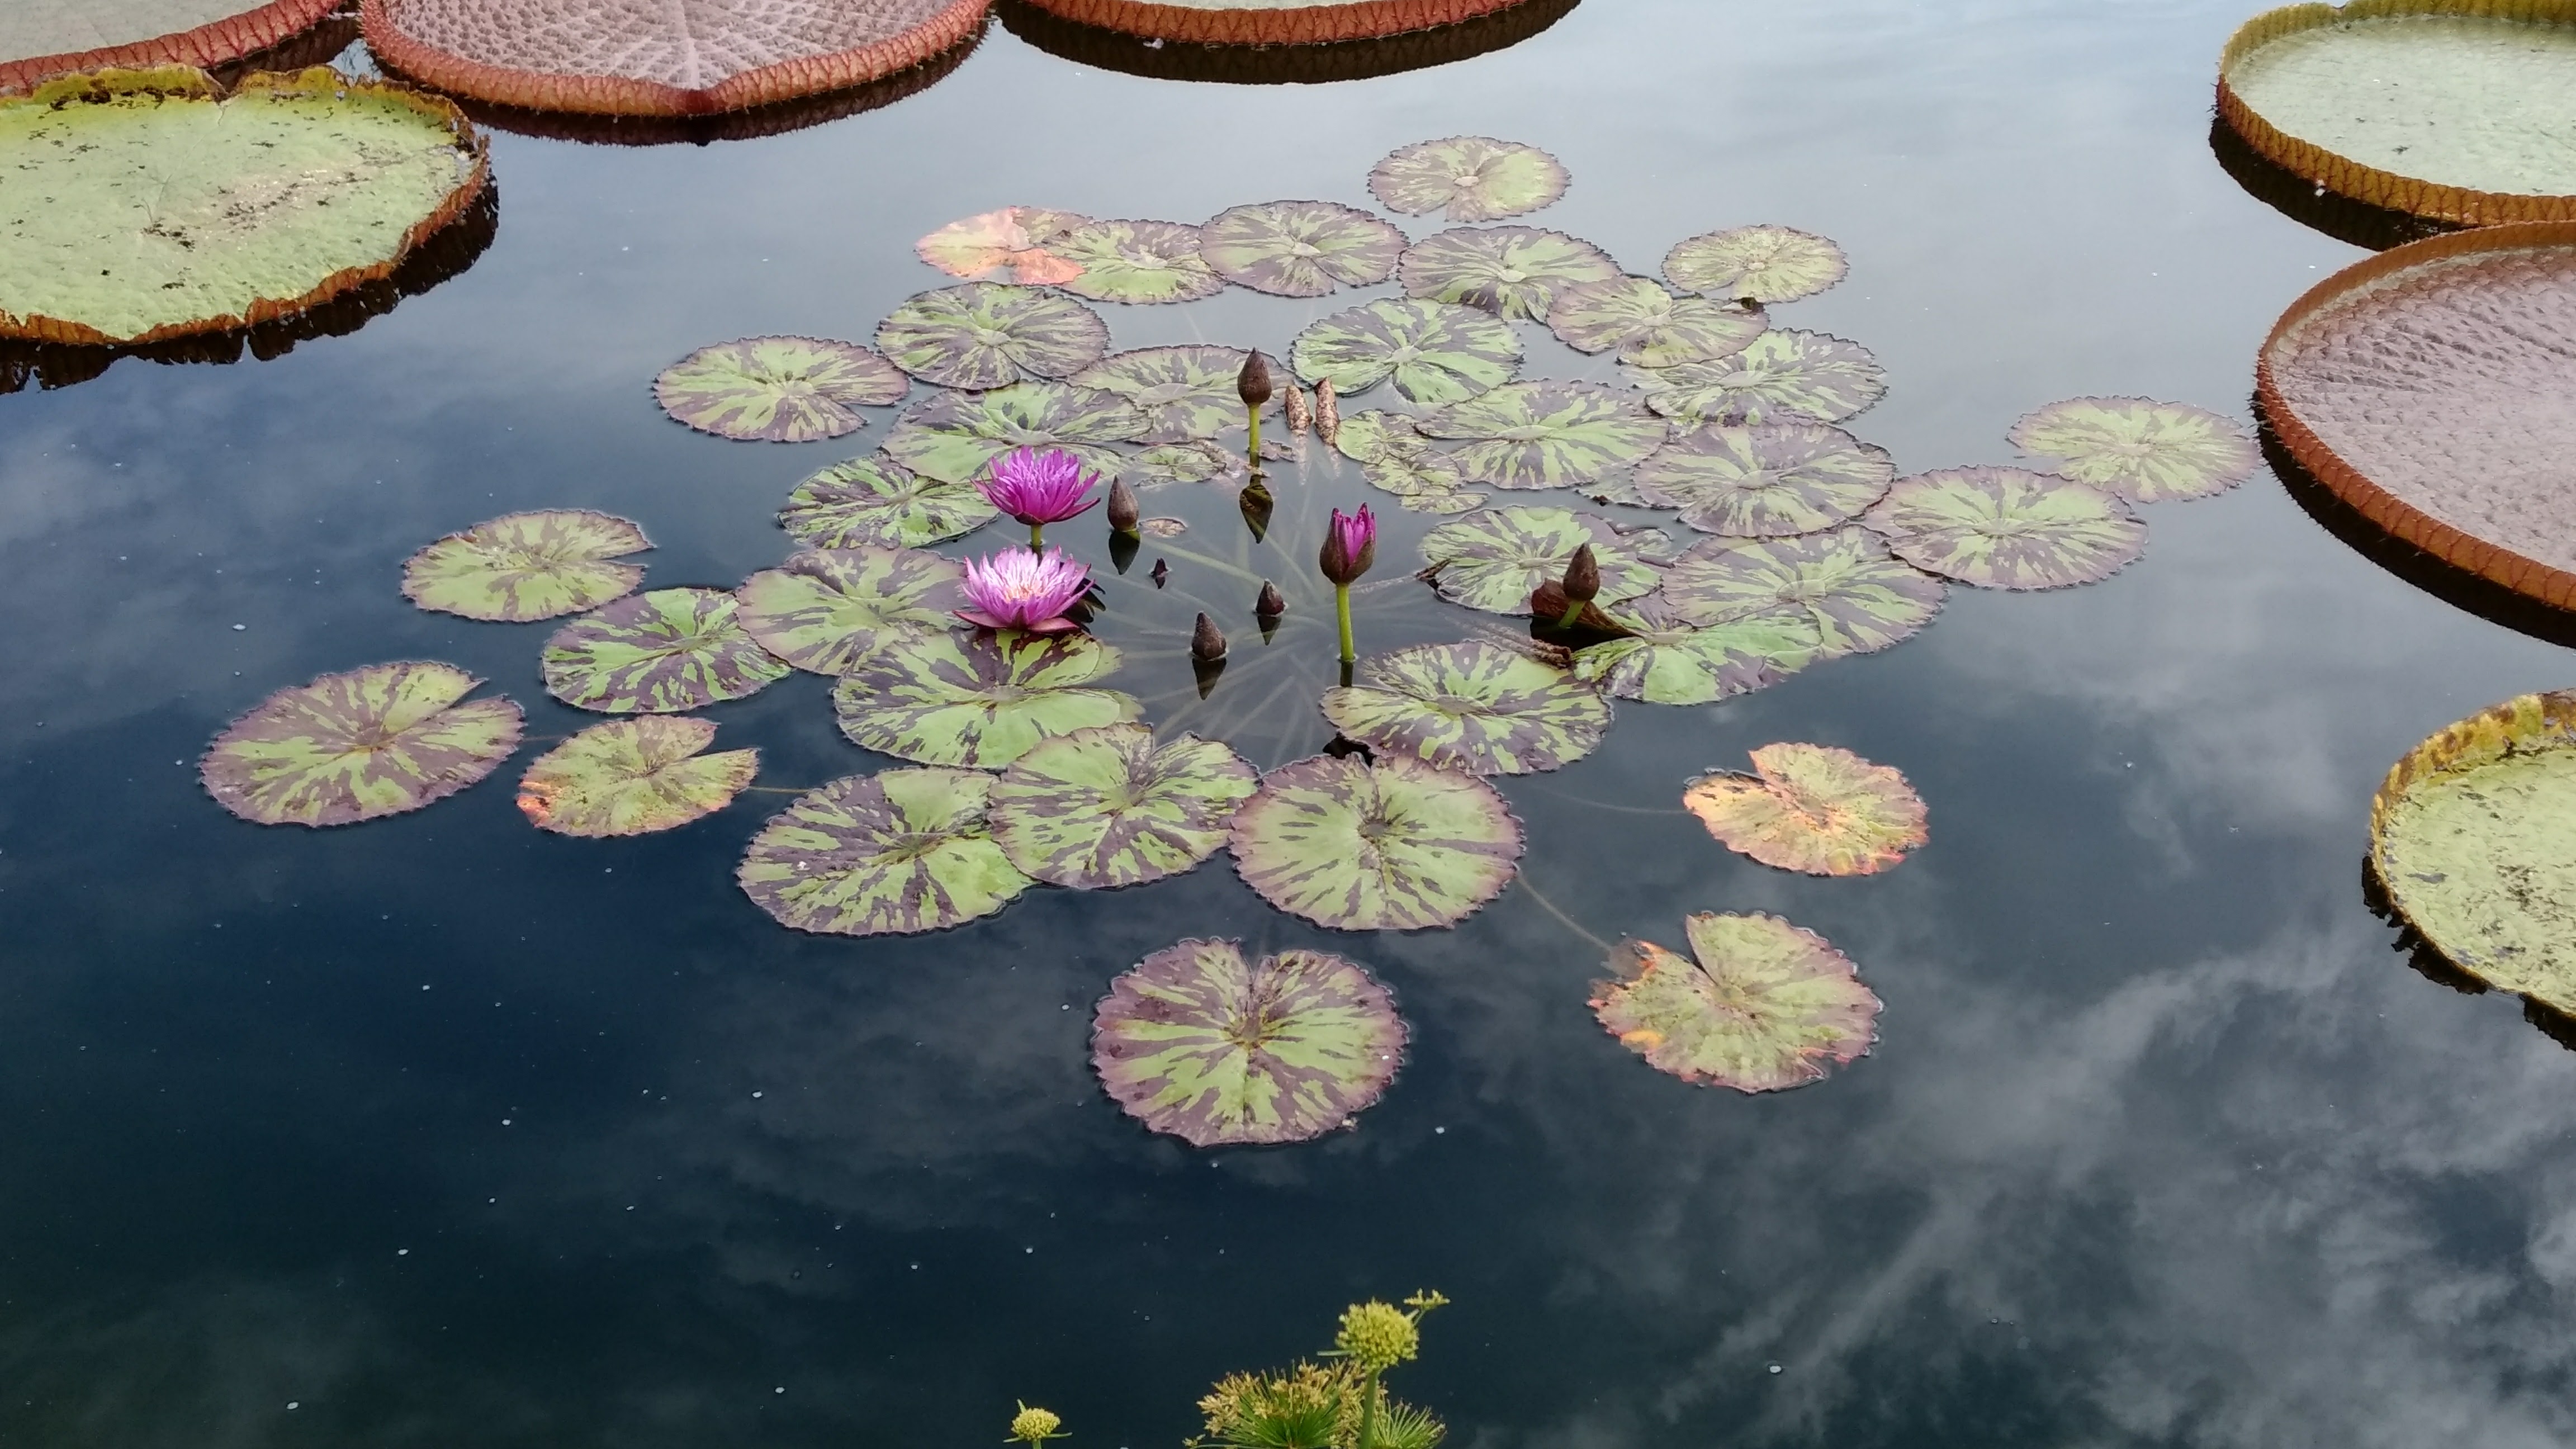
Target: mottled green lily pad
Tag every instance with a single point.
(1198, 1043)
(2143, 450)
(1546, 434)
(1515, 272)
(358, 746)
(1470, 706)
(1178, 463)
(1428, 482)
(1435, 352)
(988, 334)
(1811, 808)
(1108, 807)
(977, 698)
(1491, 560)
(1300, 248)
(633, 777)
(884, 854)
(1366, 436)
(1648, 325)
(1843, 584)
(663, 652)
(955, 436)
(1666, 661)
(1765, 263)
(1019, 240)
(1138, 261)
(1766, 1005)
(1467, 178)
(2008, 528)
(1185, 394)
(1784, 375)
(1766, 480)
(826, 609)
(1395, 845)
(778, 389)
(877, 501)
(526, 566)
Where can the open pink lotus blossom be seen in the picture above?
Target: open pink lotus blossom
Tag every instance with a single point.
(1021, 589)
(1350, 546)
(1039, 486)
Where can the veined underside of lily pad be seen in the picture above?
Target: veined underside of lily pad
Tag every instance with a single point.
(1252, 22)
(39, 43)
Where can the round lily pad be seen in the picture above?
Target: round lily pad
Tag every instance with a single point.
(1648, 325)
(1784, 375)
(1178, 463)
(1426, 481)
(988, 334)
(1300, 248)
(1467, 178)
(1666, 661)
(633, 777)
(1367, 435)
(1108, 807)
(37, 44)
(1843, 584)
(1764, 263)
(1217, 1051)
(954, 437)
(1026, 242)
(2007, 528)
(1138, 261)
(1765, 1006)
(1470, 706)
(662, 652)
(1436, 352)
(977, 698)
(885, 854)
(826, 609)
(1811, 808)
(1185, 393)
(778, 389)
(525, 566)
(1397, 845)
(1514, 272)
(1766, 480)
(1491, 560)
(1546, 434)
(878, 501)
(358, 746)
(141, 206)
(2143, 450)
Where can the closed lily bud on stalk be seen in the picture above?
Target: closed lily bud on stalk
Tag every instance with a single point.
(1270, 604)
(1582, 584)
(1207, 641)
(1124, 515)
(1350, 546)
(1253, 386)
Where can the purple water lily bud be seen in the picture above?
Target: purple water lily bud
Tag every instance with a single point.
(1253, 383)
(1018, 588)
(1039, 486)
(1271, 604)
(1207, 642)
(1124, 515)
(1350, 546)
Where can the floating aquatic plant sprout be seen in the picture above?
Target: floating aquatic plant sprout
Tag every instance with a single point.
(1039, 486)
(1017, 589)
(1350, 546)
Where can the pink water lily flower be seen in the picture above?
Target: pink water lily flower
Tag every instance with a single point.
(1040, 485)
(1021, 589)
(1350, 546)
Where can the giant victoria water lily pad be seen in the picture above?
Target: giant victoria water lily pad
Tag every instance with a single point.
(1546, 434)
(2143, 450)
(824, 610)
(526, 566)
(877, 501)
(1138, 261)
(1811, 808)
(778, 389)
(1395, 845)
(39, 42)
(1023, 241)
(1467, 178)
(2008, 528)
(1491, 560)
(1514, 272)
(1766, 480)
(1470, 706)
(1435, 352)
(1666, 661)
(1781, 376)
(1765, 1006)
(663, 652)
(977, 698)
(955, 436)
(1300, 248)
(348, 747)
(884, 854)
(1184, 393)
(1109, 807)
(1843, 584)
(1763, 263)
(987, 334)
(633, 777)
(1217, 1051)
(1648, 325)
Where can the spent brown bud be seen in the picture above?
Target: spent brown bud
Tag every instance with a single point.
(1328, 414)
(1123, 512)
(1253, 383)
(1270, 605)
(1207, 642)
(1582, 572)
(1300, 417)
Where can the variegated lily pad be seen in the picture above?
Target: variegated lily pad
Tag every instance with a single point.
(1491, 560)
(1783, 375)
(1766, 1005)
(2008, 528)
(1185, 394)
(988, 334)
(1766, 480)
(885, 854)
(1515, 272)
(1435, 352)
(1764, 263)
(1470, 706)
(1367, 435)
(1467, 178)
(1843, 584)
(1428, 482)
(2143, 450)
(1198, 1043)
(778, 389)
(1020, 241)
(663, 652)
(1546, 434)
(1300, 248)
(955, 436)
(358, 746)
(1178, 463)
(526, 566)
(1393, 846)
(1138, 261)
(877, 501)
(1811, 808)
(1666, 661)
(633, 777)
(1648, 325)
(826, 609)
(977, 698)
(1108, 807)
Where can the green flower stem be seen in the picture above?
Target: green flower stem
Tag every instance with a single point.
(1342, 613)
(1368, 1411)
(1573, 611)
(1253, 414)
(1037, 538)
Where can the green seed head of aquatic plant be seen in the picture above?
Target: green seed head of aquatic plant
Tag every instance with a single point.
(1377, 1336)
(1034, 1427)
(1307, 1407)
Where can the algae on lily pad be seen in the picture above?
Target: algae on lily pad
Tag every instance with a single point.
(1784, 375)
(988, 334)
(1185, 394)
(1514, 272)
(1392, 845)
(1138, 261)
(663, 652)
(1107, 806)
(1300, 248)
(2008, 528)
(879, 501)
(1766, 480)
(1467, 178)
(1492, 560)
(1649, 326)
(1663, 660)
(633, 777)
(2143, 450)
(1764, 1006)
(778, 389)
(358, 746)
(1842, 583)
(1530, 435)
(955, 436)
(824, 610)
(1472, 706)
(975, 697)
(1811, 808)
(1434, 352)
(1199, 1043)
(527, 566)
(1024, 241)
(885, 854)
(1763, 263)
(142, 206)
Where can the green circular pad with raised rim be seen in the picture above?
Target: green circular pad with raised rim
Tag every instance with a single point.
(522, 567)
(1395, 845)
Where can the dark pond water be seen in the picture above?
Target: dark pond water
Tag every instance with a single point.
(440, 1131)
